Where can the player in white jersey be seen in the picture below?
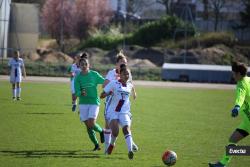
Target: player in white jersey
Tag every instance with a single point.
(119, 108)
(74, 70)
(16, 65)
(114, 75)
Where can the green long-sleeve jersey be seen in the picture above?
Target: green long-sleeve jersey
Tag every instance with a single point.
(88, 83)
(243, 94)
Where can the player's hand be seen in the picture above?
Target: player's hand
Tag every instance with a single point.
(235, 111)
(134, 96)
(84, 93)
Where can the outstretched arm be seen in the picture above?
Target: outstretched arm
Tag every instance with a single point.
(24, 71)
(134, 93)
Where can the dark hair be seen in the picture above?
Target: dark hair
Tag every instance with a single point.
(83, 60)
(120, 56)
(84, 55)
(123, 67)
(239, 67)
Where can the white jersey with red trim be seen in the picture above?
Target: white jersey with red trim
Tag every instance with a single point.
(114, 75)
(16, 69)
(75, 69)
(120, 96)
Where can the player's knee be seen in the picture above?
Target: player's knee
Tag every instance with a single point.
(115, 133)
(126, 130)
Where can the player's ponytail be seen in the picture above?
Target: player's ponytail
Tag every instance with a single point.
(120, 56)
(84, 55)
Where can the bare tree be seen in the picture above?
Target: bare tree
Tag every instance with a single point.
(245, 15)
(168, 5)
(55, 15)
(217, 6)
(205, 12)
(89, 14)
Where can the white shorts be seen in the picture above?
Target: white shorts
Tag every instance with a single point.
(72, 86)
(16, 79)
(88, 111)
(123, 118)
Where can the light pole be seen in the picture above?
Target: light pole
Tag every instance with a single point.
(61, 27)
(125, 25)
(124, 30)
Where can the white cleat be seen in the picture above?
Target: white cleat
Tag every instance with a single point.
(135, 147)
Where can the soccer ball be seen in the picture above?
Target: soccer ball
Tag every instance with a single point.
(169, 158)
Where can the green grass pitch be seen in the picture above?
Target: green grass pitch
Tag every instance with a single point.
(41, 130)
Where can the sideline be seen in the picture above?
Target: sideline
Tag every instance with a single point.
(136, 82)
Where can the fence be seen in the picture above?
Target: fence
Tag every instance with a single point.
(39, 68)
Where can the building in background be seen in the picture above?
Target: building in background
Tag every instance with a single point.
(19, 27)
(24, 27)
(4, 26)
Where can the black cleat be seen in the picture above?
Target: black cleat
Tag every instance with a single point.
(130, 155)
(74, 107)
(102, 136)
(18, 98)
(97, 148)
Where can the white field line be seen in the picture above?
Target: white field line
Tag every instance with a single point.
(137, 83)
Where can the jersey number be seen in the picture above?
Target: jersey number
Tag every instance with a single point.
(120, 104)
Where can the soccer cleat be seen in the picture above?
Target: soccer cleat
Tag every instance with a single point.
(218, 164)
(18, 98)
(13, 98)
(102, 136)
(131, 155)
(135, 147)
(97, 147)
(74, 107)
(110, 149)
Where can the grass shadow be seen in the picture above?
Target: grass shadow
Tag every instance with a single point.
(49, 154)
(45, 113)
(6, 99)
(36, 104)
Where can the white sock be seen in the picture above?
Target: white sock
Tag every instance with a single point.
(18, 92)
(14, 92)
(107, 137)
(129, 141)
(113, 140)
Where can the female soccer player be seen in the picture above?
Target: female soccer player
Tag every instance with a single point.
(16, 65)
(74, 70)
(86, 89)
(241, 107)
(119, 108)
(114, 75)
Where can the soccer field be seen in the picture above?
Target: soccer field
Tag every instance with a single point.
(41, 130)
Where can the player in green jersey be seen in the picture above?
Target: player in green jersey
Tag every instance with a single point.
(241, 107)
(86, 89)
